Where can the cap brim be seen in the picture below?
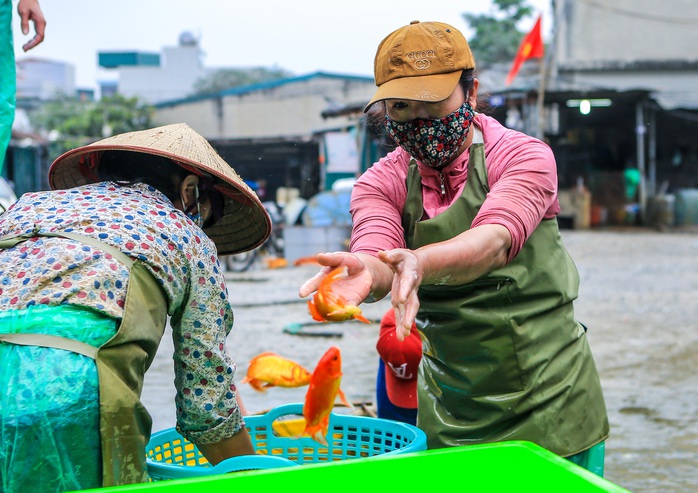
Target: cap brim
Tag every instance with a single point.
(427, 88)
(402, 393)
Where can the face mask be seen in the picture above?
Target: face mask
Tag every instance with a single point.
(197, 218)
(433, 142)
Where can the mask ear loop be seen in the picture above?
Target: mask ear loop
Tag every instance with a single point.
(196, 202)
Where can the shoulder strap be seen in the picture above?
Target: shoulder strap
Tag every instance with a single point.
(477, 135)
(115, 252)
(12, 240)
(46, 340)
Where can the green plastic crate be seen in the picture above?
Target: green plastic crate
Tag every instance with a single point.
(491, 468)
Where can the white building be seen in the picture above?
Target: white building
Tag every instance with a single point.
(153, 77)
(40, 79)
(627, 45)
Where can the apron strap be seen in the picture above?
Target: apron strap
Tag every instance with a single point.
(12, 240)
(477, 136)
(100, 245)
(45, 340)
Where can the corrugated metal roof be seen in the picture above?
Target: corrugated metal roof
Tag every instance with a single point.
(234, 91)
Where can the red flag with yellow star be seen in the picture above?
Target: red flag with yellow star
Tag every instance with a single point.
(531, 47)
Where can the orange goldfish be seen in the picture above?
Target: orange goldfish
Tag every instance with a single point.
(271, 370)
(276, 262)
(305, 261)
(322, 392)
(325, 306)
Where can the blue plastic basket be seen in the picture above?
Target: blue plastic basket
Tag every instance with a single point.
(170, 456)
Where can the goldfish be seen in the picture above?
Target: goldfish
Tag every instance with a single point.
(326, 306)
(271, 370)
(276, 262)
(321, 395)
(305, 261)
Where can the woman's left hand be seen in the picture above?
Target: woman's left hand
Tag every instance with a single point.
(406, 281)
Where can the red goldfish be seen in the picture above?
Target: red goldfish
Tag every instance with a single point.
(322, 392)
(325, 306)
(271, 370)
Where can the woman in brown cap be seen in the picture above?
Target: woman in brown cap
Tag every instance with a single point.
(90, 273)
(458, 225)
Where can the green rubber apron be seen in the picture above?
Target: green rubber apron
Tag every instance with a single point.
(504, 358)
(125, 424)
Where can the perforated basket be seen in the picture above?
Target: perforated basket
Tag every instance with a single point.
(170, 456)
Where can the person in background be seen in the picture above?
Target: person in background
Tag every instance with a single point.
(396, 379)
(458, 224)
(90, 271)
(29, 11)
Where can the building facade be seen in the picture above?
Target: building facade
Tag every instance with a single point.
(274, 133)
(155, 77)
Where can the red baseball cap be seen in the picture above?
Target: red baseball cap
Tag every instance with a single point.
(401, 359)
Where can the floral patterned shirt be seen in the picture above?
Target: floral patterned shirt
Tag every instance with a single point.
(143, 223)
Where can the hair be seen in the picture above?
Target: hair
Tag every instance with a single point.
(376, 115)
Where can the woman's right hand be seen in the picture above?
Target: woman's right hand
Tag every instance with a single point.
(362, 280)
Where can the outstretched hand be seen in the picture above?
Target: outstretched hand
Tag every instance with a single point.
(406, 281)
(30, 11)
(354, 288)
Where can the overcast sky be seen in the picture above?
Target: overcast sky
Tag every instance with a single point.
(301, 36)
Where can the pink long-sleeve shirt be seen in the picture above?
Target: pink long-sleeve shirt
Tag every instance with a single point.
(522, 177)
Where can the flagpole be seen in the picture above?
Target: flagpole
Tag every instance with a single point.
(531, 47)
(540, 103)
(542, 86)
(547, 63)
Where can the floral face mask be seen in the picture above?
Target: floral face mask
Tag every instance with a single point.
(433, 142)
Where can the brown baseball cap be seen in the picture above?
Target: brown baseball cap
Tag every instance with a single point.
(422, 61)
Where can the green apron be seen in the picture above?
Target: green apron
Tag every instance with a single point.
(504, 358)
(122, 361)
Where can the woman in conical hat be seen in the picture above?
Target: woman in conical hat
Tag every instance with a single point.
(243, 223)
(89, 273)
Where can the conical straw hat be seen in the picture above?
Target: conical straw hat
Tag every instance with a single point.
(245, 223)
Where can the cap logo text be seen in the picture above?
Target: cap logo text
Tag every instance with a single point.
(420, 59)
(400, 371)
(425, 96)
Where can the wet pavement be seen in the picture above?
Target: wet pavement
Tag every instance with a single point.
(638, 297)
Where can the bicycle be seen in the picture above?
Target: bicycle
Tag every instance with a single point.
(273, 245)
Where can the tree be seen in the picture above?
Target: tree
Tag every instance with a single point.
(78, 123)
(226, 78)
(496, 37)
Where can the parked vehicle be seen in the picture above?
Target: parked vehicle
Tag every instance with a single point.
(273, 246)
